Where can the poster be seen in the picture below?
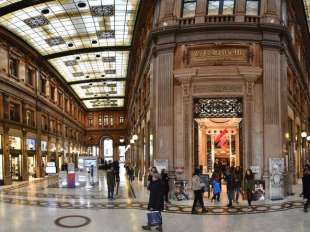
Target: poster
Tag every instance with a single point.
(259, 190)
(276, 169)
(31, 144)
(161, 164)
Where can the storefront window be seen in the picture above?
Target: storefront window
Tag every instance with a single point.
(31, 144)
(221, 7)
(189, 8)
(252, 7)
(43, 146)
(108, 149)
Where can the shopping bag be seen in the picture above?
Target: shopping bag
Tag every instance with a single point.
(154, 218)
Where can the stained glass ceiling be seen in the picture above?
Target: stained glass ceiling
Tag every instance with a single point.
(87, 41)
(307, 7)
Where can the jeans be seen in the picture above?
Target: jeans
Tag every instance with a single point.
(237, 192)
(197, 198)
(110, 192)
(230, 194)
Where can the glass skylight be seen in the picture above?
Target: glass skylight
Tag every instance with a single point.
(56, 27)
(104, 103)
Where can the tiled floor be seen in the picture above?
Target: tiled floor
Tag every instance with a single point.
(36, 207)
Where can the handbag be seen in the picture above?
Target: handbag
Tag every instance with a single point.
(154, 218)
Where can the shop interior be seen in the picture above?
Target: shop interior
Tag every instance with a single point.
(218, 139)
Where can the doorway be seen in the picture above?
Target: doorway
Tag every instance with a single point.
(218, 125)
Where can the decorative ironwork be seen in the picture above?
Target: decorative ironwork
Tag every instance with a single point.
(71, 62)
(38, 21)
(218, 108)
(55, 41)
(108, 59)
(110, 34)
(102, 11)
(110, 71)
(78, 74)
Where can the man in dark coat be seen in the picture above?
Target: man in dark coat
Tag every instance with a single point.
(156, 200)
(306, 187)
(230, 185)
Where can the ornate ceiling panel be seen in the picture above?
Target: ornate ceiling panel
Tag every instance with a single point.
(83, 39)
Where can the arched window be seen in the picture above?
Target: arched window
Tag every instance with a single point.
(189, 8)
(108, 149)
(252, 7)
(221, 7)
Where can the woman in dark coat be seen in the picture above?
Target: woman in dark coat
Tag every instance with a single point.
(156, 200)
(306, 187)
(249, 185)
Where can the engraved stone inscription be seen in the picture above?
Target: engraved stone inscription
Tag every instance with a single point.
(210, 55)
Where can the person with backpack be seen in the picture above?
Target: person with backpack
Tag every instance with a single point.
(306, 187)
(197, 187)
(156, 200)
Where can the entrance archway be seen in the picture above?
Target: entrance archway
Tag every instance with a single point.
(218, 132)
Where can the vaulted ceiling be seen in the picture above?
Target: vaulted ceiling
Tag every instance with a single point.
(86, 41)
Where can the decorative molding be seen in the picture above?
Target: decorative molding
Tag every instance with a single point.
(218, 88)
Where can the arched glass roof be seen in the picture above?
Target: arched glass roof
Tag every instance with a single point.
(87, 41)
(307, 7)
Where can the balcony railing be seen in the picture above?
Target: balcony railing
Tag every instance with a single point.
(186, 21)
(252, 19)
(220, 19)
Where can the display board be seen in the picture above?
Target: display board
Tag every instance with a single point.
(50, 170)
(161, 164)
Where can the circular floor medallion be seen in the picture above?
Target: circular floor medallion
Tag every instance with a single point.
(61, 221)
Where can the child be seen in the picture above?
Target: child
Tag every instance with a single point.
(216, 189)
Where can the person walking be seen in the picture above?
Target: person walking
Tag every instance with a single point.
(153, 171)
(165, 183)
(237, 182)
(306, 187)
(249, 185)
(197, 187)
(230, 185)
(110, 182)
(156, 199)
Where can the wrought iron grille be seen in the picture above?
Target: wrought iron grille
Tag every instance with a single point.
(218, 108)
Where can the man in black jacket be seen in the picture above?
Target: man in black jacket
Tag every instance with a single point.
(306, 187)
(156, 200)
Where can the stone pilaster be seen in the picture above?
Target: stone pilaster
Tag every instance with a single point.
(163, 90)
(24, 164)
(7, 177)
(272, 110)
(271, 11)
(240, 10)
(201, 9)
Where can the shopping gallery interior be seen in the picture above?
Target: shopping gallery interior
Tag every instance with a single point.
(94, 93)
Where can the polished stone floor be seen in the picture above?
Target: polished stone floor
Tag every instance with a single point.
(37, 207)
